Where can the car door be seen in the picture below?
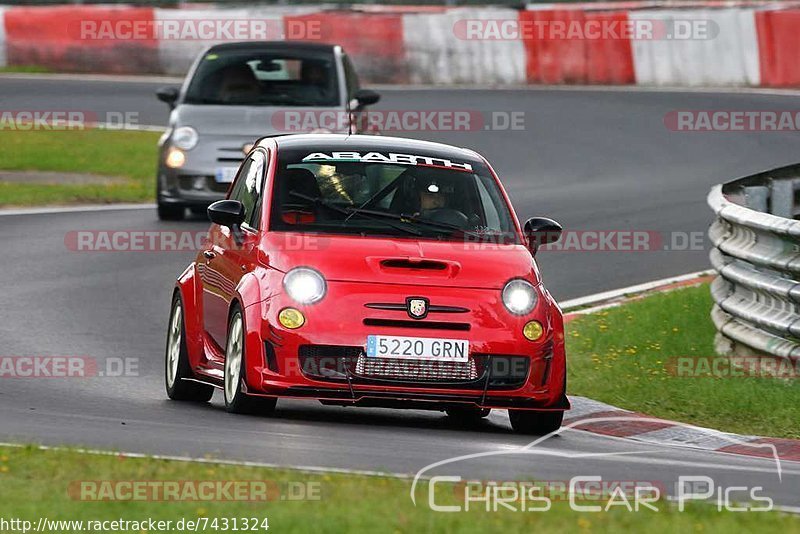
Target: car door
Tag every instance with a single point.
(228, 258)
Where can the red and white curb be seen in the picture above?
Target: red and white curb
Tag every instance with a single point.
(607, 420)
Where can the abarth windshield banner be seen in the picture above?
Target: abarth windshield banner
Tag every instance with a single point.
(377, 157)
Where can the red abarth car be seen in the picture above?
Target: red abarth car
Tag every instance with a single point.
(370, 271)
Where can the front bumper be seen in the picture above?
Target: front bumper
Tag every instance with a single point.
(195, 184)
(325, 359)
(190, 188)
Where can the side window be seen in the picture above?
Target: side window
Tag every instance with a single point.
(490, 214)
(249, 186)
(350, 77)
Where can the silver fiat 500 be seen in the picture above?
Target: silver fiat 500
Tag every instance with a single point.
(236, 93)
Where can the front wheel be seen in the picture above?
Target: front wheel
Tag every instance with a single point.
(199, 211)
(236, 400)
(178, 370)
(170, 213)
(535, 423)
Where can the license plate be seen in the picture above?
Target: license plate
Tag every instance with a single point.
(418, 348)
(225, 175)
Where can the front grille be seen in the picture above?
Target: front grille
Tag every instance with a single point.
(416, 370)
(334, 363)
(507, 372)
(328, 362)
(187, 183)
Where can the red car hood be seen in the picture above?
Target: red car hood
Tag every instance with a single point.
(401, 261)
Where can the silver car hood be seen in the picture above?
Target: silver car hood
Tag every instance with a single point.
(255, 121)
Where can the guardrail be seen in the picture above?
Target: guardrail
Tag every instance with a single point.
(756, 253)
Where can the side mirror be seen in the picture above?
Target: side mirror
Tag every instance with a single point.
(168, 95)
(366, 97)
(541, 231)
(228, 213)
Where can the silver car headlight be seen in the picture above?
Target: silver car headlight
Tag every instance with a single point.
(304, 285)
(519, 296)
(185, 138)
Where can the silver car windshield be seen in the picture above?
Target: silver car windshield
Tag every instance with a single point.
(264, 78)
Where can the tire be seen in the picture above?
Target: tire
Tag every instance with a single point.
(236, 400)
(176, 358)
(535, 423)
(466, 416)
(170, 213)
(199, 212)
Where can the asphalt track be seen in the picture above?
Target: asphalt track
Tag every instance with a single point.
(595, 160)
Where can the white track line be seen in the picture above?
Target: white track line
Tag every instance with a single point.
(618, 293)
(75, 209)
(122, 78)
(420, 87)
(221, 461)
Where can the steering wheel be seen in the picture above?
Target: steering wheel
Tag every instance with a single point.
(447, 215)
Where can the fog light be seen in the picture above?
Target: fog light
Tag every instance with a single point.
(199, 182)
(532, 330)
(291, 318)
(175, 158)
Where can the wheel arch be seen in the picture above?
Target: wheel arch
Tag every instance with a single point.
(247, 299)
(187, 287)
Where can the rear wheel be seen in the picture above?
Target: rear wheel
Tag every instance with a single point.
(535, 423)
(177, 361)
(467, 416)
(236, 400)
(170, 213)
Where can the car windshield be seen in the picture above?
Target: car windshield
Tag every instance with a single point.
(264, 78)
(381, 193)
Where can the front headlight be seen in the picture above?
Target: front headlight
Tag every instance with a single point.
(185, 138)
(175, 158)
(304, 285)
(519, 296)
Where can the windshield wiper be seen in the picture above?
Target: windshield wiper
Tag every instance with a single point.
(414, 219)
(325, 203)
(376, 197)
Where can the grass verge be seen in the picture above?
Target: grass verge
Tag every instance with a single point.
(626, 356)
(129, 155)
(26, 69)
(61, 485)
